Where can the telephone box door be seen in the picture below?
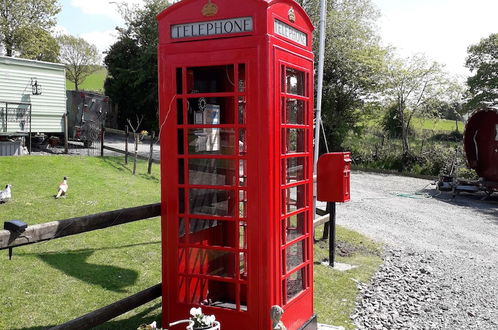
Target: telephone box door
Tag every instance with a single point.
(207, 224)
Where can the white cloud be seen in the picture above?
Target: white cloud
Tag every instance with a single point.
(59, 29)
(105, 8)
(101, 39)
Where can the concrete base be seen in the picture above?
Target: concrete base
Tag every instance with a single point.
(311, 324)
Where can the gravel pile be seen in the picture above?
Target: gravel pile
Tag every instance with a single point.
(440, 269)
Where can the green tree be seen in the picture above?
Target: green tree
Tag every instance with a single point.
(132, 64)
(482, 61)
(414, 86)
(19, 19)
(39, 45)
(354, 63)
(80, 57)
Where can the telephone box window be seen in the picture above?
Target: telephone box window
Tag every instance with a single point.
(294, 255)
(212, 171)
(180, 141)
(179, 81)
(242, 78)
(242, 172)
(293, 169)
(211, 141)
(181, 200)
(242, 203)
(242, 110)
(212, 293)
(294, 112)
(212, 202)
(294, 140)
(181, 171)
(294, 226)
(294, 81)
(210, 79)
(210, 111)
(294, 198)
(179, 111)
(182, 233)
(294, 284)
(211, 262)
(212, 233)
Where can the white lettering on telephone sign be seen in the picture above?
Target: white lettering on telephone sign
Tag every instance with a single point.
(287, 31)
(212, 28)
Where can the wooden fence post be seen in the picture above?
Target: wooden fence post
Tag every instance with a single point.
(66, 134)
(137, 136)
(127, 135)
(153, 136)
(102, 133)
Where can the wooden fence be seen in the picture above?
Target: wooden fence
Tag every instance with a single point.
(62, 228)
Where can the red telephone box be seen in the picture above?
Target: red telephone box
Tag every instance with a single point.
(236, 120)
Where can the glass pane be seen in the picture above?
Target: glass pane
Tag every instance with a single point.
(179, 111)
(295, 255)
(243, 268)
(211, 171)
(294, 169)
(179, 81)
(295, 112)
(294, 284)
(295, 226)
(181, 200)
(210, 262)
(181, 171)
(242, 203)
(212, 202)
(242, 110)
(243, 235)
(210, 79)
(294, 81)
(212, 233)
(211, 141)
(293, 140)
(182, 237)
(212, 293)
(242, 172)
(242, 141)
(211, 111)
(242, 78)
(294, 198)
(180, 141)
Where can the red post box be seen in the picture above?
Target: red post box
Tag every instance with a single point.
(333, 177)
(236, 120)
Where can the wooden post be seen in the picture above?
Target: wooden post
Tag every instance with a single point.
(153, 136)
(136, 135)
(127, 135)
(66, 134)
(102, 133)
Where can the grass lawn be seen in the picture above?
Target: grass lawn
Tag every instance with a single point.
(94, 82)
(55, 281)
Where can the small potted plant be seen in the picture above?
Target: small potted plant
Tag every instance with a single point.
(203, 322)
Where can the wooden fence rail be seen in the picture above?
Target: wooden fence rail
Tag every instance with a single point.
(56, 229)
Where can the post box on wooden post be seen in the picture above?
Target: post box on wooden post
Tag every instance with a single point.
(236, 120)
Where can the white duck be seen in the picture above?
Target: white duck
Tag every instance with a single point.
(5, 194)
(62, 190)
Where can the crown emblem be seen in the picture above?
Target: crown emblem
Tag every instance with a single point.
(209, 9)
(292, 15)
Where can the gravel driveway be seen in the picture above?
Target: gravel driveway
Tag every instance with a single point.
(441, 263)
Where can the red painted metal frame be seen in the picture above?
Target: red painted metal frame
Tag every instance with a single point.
(263, 53)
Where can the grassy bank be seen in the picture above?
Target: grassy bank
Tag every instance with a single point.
(94, 82)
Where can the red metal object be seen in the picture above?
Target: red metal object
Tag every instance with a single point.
(481, 145)
(236, 119)
(333, 177)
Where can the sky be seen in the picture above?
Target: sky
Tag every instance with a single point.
(440, 29)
